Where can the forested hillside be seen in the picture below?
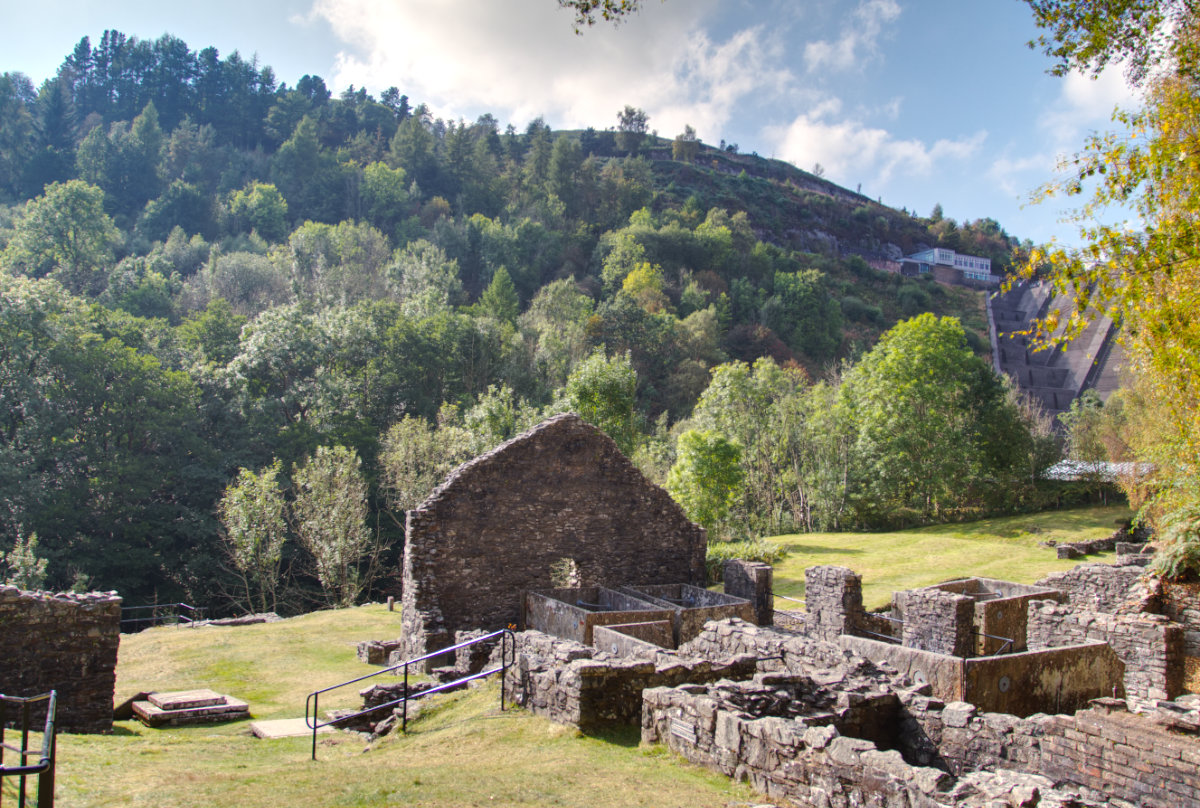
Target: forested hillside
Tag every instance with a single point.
(204, 270)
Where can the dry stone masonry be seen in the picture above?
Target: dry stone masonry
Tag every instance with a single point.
(499, 524)
(63, 642)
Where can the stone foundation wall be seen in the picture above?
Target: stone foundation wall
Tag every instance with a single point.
(557, 611)
(752, 581)
(1046, 681)
(938, 621)
(807, 752)
(1150, 646)
(693, 606)
(774, 649)
(833, 598)
(1095, 587)
(64, 642)
(499, 524)
(570, 683)
(807, 758)
(634, 640)
(1131, 757)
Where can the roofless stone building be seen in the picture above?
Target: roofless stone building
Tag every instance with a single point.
(560, 497)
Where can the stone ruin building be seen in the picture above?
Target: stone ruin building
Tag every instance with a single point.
(1077, 691)
(560, 497)
(63, 642)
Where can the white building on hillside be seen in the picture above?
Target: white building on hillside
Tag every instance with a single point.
(969, 267)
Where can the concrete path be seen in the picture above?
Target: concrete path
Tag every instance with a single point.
(284, 728)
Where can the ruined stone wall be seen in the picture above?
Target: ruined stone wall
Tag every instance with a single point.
(1150, 646)
(808, 759)
(937, 621)
(833, 598)
(753, 581)
(961, 738)
(1181, 603)
(570, 683)
(62, 642)
(634, 640)
(499, 523)
(774, 649)
(1053, 680)
(1131, 757)
(557, 611)
(1095, 587)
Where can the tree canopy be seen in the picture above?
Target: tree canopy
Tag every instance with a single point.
(1146, 277)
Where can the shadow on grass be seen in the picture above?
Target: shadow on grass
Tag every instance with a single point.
(807, 549)
(628, 737)
(119, 730)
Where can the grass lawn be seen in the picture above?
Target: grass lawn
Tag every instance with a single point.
(1007, 548)
(462, 752)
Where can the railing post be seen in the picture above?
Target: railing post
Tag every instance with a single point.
(46, 778)
(315, 722)
(24, 748)
(404, 704)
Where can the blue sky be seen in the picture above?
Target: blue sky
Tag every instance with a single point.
(919, 101)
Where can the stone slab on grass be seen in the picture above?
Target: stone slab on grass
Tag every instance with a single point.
(229, 709)
(185, 699)
(284, 728)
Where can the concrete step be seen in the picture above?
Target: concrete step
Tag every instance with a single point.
(284, 728)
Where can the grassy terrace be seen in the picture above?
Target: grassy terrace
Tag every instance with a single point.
(1008, 548)
(464, 751)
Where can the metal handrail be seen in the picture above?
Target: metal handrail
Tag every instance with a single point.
(312, 703)
(44, 768)
(197, 614)
(1008, 641)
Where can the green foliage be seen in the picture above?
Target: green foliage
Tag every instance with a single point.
(22, 566)
(923, 404)
(499, 300)
(415, 456)
(747, 550)
(64, 233)
(601, 390)
(707, 477)
(329, 516)
(251, 512)
(1144, 277)
(260, 208)
(286, 269)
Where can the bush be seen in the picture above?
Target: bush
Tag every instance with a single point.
(860, 312)
(749, 550)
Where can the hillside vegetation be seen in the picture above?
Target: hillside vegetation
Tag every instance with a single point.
(218, 287)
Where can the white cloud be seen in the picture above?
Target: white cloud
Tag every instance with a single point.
(851, 151)
(858, 43)
(1085, 104)
(520, 59)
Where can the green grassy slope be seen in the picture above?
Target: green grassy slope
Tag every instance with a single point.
(1008, 548)
(464, 751)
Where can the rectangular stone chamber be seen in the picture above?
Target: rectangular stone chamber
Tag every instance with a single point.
(573, 613)
(693, 606)
(1001, 609)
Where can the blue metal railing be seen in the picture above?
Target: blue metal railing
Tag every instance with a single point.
(508, 653)
(44, 768)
